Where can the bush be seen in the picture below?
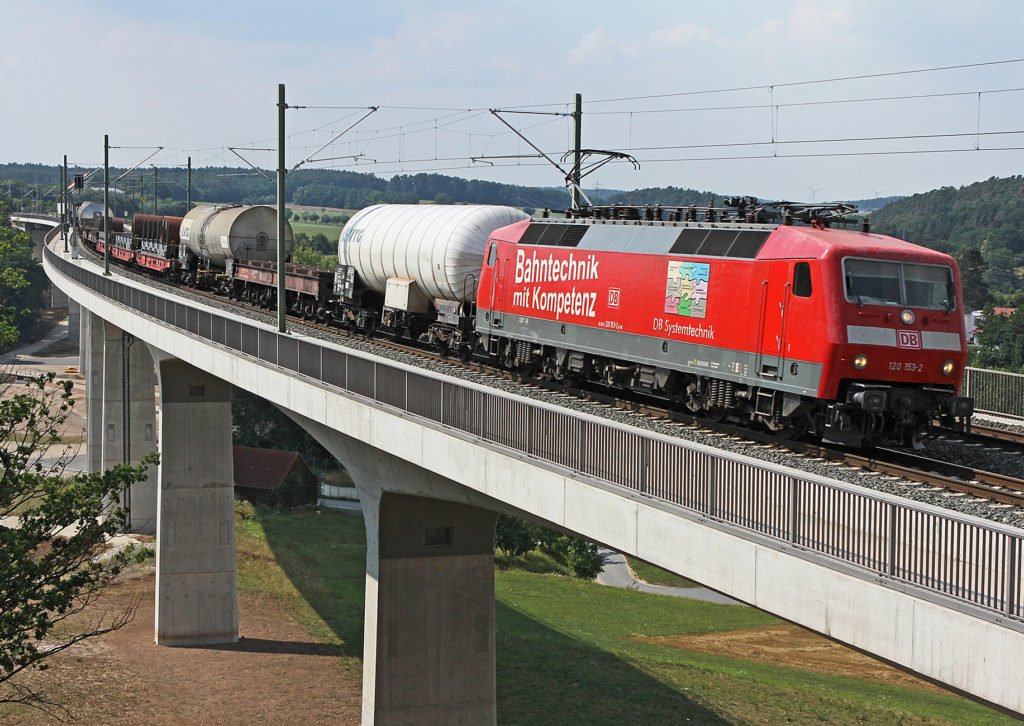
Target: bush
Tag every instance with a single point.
(581, 557)
(515, 538)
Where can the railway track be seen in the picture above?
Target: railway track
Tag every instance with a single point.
(987, 435)
(955, 478)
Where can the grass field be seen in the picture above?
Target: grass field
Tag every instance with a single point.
(657, 576)
(574, 652)
(331, 231)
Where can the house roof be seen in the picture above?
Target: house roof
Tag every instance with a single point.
(263, 468)
(1005, 311)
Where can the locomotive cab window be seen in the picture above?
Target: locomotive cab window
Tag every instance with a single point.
(927, 286)
(885, 282)
(493, 254)
(802, 279)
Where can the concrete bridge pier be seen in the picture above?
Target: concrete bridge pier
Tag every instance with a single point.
(105, 350)
(58, 299)
(196, 579)
(129, 420)
(428, 643)
(91, 355)
(74, 320)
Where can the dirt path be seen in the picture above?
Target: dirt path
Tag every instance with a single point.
(794, 647)
(276, 674)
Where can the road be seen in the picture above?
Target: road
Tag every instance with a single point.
(616, 573)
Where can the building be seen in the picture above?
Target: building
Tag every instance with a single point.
(260, 476)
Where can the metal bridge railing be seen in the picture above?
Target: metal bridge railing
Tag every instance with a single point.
(936, 551)
(995, 392)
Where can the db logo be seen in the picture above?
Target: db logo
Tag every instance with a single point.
(908, 339)
(613, 297)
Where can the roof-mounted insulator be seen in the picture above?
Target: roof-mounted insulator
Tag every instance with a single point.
(865, 225)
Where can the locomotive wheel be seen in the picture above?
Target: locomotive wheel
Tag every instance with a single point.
(915, 439)
(715, 413)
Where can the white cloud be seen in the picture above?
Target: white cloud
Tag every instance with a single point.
(815, 25)
(682, 34)
(597, 47)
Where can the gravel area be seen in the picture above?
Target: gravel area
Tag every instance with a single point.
(942, 448)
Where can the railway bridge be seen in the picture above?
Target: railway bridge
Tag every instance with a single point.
(436, 458)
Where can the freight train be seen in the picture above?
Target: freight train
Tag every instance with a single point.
(768, 314)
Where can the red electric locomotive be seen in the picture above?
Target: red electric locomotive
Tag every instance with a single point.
(845, 335)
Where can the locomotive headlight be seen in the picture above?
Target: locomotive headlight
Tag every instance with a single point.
(860, 362)
(947, 368)
(907, 316)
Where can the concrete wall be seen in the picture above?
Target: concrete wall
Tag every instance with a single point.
(196, 581)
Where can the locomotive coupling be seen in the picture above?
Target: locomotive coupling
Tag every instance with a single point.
(872, 400)
(958, 406)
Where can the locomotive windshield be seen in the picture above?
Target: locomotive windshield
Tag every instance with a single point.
(884, 282)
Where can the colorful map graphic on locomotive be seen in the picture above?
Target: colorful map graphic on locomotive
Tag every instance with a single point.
(686, 292)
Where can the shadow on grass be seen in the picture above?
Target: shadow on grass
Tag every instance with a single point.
(547, 677)
(288, 647)
(543, 676)
(324, 557)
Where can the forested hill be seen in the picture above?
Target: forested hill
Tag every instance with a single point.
(679, 196)
(988, 215)
(313, 187)
(981, 224)
(665, 196)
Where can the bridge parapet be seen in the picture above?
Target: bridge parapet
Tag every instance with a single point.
(999, 393)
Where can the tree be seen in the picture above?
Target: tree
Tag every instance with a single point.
(1002, 341)
(321, 243)
(50, 571)
(306, 255)
(972, 276)
(514, 536)
(258, 423)
(581, 557)
(22, 281)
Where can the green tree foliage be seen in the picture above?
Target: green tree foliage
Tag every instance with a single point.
(49, 569)
(258, 423)
(1002, 341)
(581, 557)
(668, 196)
(22, 282)
(308, 187)
(515, 537)
(988, 216)
(321, 243)
(972, 277)
(306, 255)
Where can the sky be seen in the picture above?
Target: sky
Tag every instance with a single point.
(791, 99)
